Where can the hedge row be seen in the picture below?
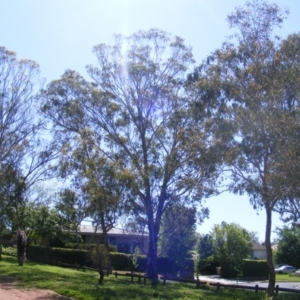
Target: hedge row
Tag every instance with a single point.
(119, 261)
(111, 248)
(54, 255)
(251, 268)
(255, 268)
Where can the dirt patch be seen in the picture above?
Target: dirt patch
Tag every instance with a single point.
(10, 291)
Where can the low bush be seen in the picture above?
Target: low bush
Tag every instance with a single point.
(11, 251)
(255, 268)
(121, 261)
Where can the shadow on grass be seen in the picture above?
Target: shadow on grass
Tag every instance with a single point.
(83, 285)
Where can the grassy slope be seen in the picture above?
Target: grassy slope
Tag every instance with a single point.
(82, 285)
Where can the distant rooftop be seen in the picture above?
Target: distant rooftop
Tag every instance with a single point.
(257, 246)
(89, 229)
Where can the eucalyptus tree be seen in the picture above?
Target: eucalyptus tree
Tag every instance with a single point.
(97, 186)
(73, 206)
(23, 154)
(137, 110)
(18, 89)
(257, 122)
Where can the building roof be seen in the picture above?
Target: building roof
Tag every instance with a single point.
(89, 229)
(257, 246)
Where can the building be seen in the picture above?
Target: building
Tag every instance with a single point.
(124, 241)
(259, 251)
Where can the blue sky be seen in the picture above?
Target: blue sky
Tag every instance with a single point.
(60, 34)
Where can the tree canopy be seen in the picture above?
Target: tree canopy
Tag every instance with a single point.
(231, 243)
(253, 80)
(143, 138)
(136, 110)
(288, 247)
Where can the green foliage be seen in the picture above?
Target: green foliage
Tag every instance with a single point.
(118, 261)
(100, 258)
(205, 246)
(11, 251)
(288, 249)
(231, 243)
(254, 81)
(44, 222)
(208, 266)
(138, 108)
(178, 238)
(249, 269)
(54, 255)
(111, 248)
(204, 252)
(121, 261)
(12, 200)
(141, 263)
(255, 268)
(228, 270)
(72, 205)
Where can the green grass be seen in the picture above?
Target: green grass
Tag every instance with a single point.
(83, 285)
(287, 277)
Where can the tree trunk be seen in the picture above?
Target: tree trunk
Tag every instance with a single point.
(22, 241)
(271, 285)
(152, 251)
(105, 242)
(101, 276)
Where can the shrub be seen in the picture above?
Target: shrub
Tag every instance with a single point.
(208, 266)
(120, 261)
(250, 268)
(11, 251)
(100, 258)
(111, 248)
(70, 256)
(255, 268)
(227, 269)
(141, 263)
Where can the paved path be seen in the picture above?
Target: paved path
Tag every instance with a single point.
(283, 284)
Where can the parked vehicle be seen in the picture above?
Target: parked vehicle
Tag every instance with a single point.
(281, 265)
(285, 270)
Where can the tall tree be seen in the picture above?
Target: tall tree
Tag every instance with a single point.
(73, 205)
(177, 238)
(18, 89)
(23, 154)
(136, 108)
(288, 249)
(257, 87)
(205, 246)
(231, 243)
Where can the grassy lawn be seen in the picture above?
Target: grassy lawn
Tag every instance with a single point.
(83, 285)
(287, 277)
